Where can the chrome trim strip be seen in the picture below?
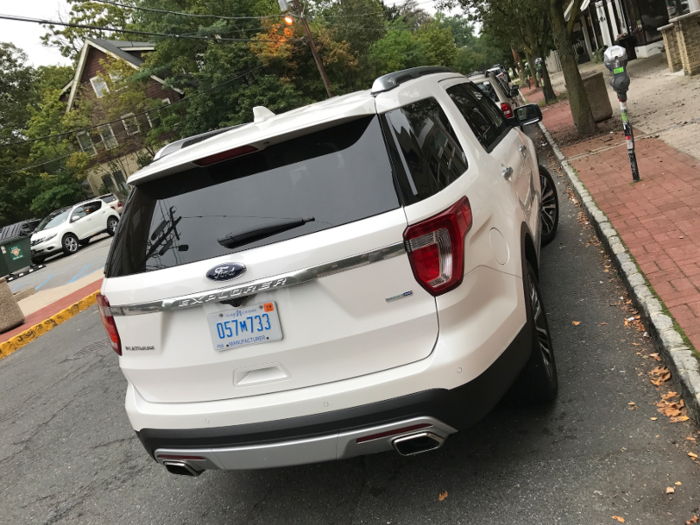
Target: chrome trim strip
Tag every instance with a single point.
(262, 285)
(327, 447)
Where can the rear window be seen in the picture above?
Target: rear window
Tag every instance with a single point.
(108, 198)
(335, 176)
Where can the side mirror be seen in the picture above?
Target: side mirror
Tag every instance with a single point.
(528, 114)
(514, 91)
(74, 218)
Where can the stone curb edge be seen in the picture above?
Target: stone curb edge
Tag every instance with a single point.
(685, 368)
(30, 334)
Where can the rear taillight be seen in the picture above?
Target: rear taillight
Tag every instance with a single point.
(436, 248)
(507, 110)
(108, 321)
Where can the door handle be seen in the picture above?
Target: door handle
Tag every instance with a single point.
(507, 172)
(522, 149)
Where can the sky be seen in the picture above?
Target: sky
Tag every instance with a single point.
(27, 35)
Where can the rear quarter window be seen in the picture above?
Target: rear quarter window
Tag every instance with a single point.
(335, 176)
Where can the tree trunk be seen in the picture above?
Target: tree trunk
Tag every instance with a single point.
(531, 66)
(578, 100)
(523, 73)
(546, 81)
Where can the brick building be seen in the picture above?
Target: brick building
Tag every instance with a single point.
(114, 148)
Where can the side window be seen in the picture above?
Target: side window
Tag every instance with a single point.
(78, 214)
(92, 207)
(431, 156)
(482, 115)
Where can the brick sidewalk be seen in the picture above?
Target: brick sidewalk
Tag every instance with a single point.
(656, 218)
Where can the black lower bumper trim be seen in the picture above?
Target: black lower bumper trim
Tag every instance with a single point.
(460, 407)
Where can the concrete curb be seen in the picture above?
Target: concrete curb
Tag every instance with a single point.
(18, 341)
(684, 367)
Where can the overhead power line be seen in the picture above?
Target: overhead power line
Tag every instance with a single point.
(127, 31)
(37, 165)
(180, 13)
(89, 128)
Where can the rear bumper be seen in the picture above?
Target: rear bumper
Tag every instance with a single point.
(335, 434)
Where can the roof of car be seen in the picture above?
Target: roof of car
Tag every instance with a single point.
(278, 128)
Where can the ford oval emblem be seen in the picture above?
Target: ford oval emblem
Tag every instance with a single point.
(226, 272)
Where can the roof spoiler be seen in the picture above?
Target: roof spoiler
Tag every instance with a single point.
(171, 148)
(393, 80)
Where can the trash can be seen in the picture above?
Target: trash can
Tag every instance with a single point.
(598, 96)
(15, 254)
(11, 315)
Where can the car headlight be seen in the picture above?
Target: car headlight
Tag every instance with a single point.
(43, 239)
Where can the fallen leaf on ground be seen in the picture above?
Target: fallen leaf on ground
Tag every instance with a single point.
(669, 395)
(659, 375)
(442, 495)
(618, 518)
(633, 405)
(575, 323)
(655, 356)
(654, 418)
(693, 455)
(691, 438)
(601, 324)
(679, 419)
(694, 519)
(636, 344)
(670, 490)
(678, 483)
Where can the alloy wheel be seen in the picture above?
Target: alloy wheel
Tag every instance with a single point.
(71, 244)
(549, 206)
(112, 226)
(542, 329)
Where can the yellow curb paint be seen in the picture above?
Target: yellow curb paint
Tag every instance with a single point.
(26, 337)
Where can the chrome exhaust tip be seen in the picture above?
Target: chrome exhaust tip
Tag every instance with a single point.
(181, 469)
(417, 443)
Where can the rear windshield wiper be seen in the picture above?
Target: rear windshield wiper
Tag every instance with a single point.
(247, 235)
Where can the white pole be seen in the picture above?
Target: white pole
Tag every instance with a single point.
(694, 5)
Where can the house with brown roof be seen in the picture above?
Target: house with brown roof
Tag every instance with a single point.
(115, 148)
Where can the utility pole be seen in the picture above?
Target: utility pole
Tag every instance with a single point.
(312, 45)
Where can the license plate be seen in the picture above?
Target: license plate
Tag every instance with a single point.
(248, 325)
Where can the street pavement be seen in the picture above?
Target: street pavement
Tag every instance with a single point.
(61, 269)
(68, 455)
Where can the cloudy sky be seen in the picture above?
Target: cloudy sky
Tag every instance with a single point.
(27, 35)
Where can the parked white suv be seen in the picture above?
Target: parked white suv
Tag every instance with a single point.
(346, 278)
(66, 229)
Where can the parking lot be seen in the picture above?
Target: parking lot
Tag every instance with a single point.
(61, 269)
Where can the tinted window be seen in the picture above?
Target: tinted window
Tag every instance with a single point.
(487, 88)
(335, 176)
(431, 155)
(482, 115)
(109, 198)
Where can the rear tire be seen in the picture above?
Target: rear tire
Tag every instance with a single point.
(70, 244)
(549, 212)
(112, 226)
(538, 383)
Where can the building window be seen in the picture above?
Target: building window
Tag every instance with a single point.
(86, 145)
(131, 125)
(108, 138)
(100, 86)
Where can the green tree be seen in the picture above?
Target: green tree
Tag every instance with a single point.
(397, 50)
(438, 42)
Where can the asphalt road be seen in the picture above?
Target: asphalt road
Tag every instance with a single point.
(61, 269)
(68, 455)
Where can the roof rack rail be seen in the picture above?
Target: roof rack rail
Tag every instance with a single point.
(391, 80)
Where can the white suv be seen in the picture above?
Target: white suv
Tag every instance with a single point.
(346, 278)
(67, 229)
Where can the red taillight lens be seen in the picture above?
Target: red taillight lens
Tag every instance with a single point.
(108, 321)
(507, 111)
(225, 155)
(436, 248)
